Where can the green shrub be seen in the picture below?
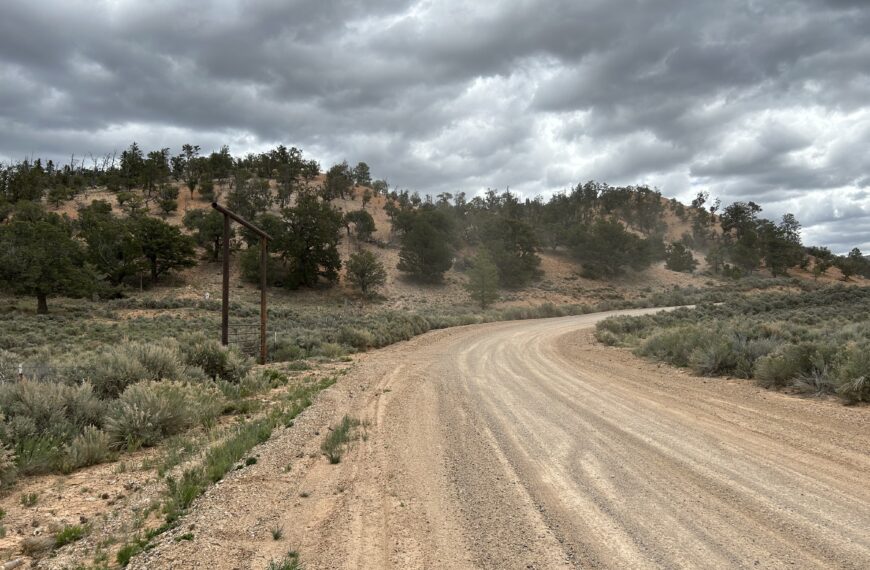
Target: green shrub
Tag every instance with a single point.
(713, 358)
(358, 338)
(795, 363)
(623, 325)
(285, 350)
(40, 417)
(214, 359)
(69, 534)
(778, 369)
(150, 411)
(606, 337)
(9, 362)
(289, 562)
(39, 454)
(161, 361)
(333, 445)
(53, 408)
(750, 352)
(88, 448)
(853, 374)
(8, 470)
(111, 372)
(127, 552)
(330, 350)
(676, 345)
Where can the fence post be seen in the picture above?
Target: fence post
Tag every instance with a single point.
(264, 263)
(225, 292)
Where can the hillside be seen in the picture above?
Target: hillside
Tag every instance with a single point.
(561, 280)
(128, 412)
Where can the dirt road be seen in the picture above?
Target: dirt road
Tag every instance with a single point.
(525, 445)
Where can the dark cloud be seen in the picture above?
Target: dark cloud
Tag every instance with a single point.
(748, 100)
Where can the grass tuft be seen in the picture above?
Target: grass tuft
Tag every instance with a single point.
(333, 445)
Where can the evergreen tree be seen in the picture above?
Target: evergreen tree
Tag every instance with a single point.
(363, 223)
(606, 248)
(163, 246)
(362, 175)
(250, 197)
(167, 199)
(679, 258)
(512, 245)
(338, 182)
(309, 242)
(483, 278)
(191, 166)
(781, 244)
(365, 272)
(208, 230)
(427, 250)
(112, 247)
(39, 258)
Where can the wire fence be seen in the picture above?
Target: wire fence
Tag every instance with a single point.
(245, 336)
(10, 371)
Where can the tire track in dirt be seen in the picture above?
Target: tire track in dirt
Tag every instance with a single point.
(526, 445)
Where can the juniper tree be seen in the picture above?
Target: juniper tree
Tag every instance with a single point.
(39, 258)
(365, 272)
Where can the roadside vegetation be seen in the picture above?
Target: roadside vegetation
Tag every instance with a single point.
(97, 364)
(339, 436)
(812, 342)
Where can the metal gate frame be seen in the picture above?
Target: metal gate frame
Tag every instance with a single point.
(225, 297)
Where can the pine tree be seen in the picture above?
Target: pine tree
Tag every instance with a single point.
(483, 279)
(679, 258)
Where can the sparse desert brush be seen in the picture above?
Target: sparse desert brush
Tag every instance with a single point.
(214, 359)
(806, 340)
(606, 337)
(675, 346)
(9, 362)
(284, 350)
(853, 374)
(40, 417)
(8, 468)
(70, 534)
(358, 338)
(333, 445)
(160, 360)
(150, 411)
(330, 350)
(90, 447)
(111, 371)
(288, 562)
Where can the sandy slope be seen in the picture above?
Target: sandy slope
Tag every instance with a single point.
(524, 445)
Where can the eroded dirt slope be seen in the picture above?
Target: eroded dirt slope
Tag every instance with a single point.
(524, 445)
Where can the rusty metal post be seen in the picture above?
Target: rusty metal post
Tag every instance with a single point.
(264, 258)
(225, 298)
(264, 261)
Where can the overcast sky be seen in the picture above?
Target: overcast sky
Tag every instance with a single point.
(764, 100)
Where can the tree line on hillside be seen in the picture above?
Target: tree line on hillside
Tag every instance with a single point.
(746, 242)
(494, 237)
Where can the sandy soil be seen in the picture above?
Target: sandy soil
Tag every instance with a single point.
(525, 445)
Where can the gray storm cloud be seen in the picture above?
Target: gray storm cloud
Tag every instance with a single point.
(768, 101)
